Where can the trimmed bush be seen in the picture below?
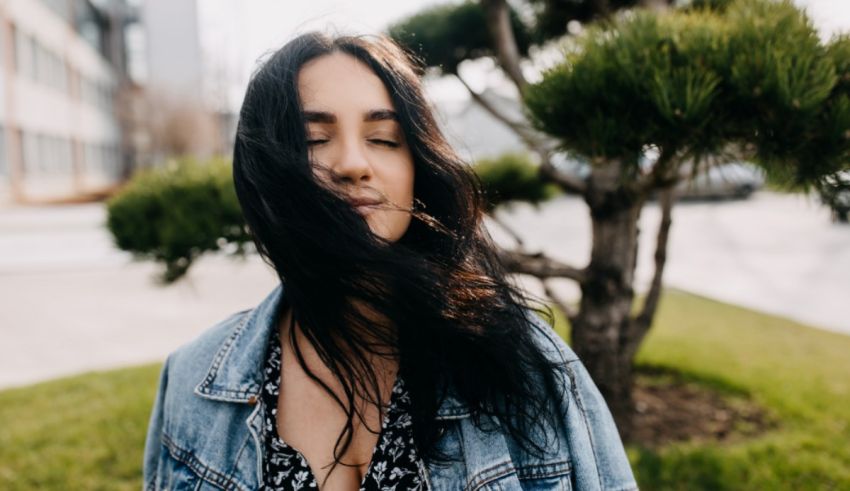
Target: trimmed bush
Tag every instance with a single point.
(174, 213)
(512, 177)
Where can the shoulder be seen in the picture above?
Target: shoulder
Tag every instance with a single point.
(548, 341)
(191, 435)
(196, 356)
(187, 366)
(180, 408)
(598, 457)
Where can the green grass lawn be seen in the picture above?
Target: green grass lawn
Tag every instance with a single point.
(800, 374)
(87, 432)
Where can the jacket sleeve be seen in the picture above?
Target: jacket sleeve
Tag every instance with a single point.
(591, 426)
(599, 460)
(153, 442)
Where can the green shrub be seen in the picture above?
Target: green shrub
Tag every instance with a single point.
(512, 177)
(175, 213)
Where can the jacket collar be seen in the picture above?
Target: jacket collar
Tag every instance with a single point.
(236, 374)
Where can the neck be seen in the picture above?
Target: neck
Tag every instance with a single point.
(380, 355)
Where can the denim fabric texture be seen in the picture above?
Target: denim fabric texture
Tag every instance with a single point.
(205, 429)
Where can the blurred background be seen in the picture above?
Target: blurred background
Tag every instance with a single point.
(95, 95)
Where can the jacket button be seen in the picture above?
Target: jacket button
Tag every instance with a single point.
(252, 400)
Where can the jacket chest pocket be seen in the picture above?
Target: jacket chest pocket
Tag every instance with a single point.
(484, 463)
(550, 477)
(174, 475)
(177, 476)
(555, 483)
(537, 477)
(179, 469)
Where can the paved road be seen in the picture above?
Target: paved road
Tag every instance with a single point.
(70, 302)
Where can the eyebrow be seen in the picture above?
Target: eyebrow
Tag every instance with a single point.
(370, 116)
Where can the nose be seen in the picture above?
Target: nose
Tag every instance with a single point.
(352, 165)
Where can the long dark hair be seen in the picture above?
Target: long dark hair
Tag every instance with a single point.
(453, 317)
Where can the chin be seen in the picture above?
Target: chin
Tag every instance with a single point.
(391, 232)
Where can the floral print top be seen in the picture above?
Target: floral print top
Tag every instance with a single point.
(395, 463)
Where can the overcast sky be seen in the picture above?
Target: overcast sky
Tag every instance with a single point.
(235, 35)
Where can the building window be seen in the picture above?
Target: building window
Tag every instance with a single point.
(56, 155)
(73, 82)
(41, 63)
(29, 148)
(52, 70)
(35, 62)
(89, 24)
(4, 165)
(24, 54)
(98, 94)
(92, 158)
(102, 159)
(46, 154)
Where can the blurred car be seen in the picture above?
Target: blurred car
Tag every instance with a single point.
(835, 193)
(729, 180)
(571, 164)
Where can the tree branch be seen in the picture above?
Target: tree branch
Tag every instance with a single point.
(601, 7)
(508, 229)
(499, 24)
(559, 302)
(662, 175)
(524, 132)
(538, 265)
(643, 321)
(498, 17)
(656, 5)
(566, 181)
(536, 143)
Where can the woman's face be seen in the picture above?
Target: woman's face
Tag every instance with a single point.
(356, 142)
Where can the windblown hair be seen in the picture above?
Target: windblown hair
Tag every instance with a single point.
(453, 319)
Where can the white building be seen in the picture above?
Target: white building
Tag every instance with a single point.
(61, 65)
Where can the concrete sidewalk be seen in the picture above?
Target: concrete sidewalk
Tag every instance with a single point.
(71, 302)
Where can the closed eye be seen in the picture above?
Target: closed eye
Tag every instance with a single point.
(387, 143)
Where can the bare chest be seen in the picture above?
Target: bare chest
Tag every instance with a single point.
(311, 421)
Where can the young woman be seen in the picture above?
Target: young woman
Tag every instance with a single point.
(395, 353)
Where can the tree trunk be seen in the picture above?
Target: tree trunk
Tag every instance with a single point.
(601, 7)
(656, 5)
(602, 325)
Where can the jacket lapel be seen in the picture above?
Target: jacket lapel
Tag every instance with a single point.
(236, 374)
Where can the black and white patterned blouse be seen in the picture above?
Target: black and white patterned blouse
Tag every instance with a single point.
(395, 463)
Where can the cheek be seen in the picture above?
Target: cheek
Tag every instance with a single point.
(403, 183)
(399, 188)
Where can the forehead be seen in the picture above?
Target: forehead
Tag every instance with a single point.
(340, 82)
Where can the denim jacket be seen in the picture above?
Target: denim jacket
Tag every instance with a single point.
(205, 429)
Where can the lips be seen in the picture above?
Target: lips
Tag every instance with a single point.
(364, 205)
(356, 202)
